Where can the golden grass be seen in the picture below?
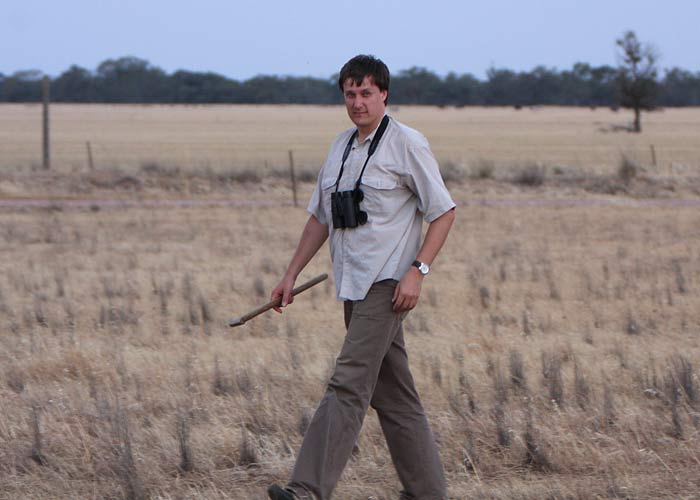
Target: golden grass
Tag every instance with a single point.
(223, 137)
(555, 349)
(555, 345)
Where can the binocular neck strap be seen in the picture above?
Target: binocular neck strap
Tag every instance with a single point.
(372, 148)
(346, 153)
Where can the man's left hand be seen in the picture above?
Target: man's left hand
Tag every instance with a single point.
(407, 291)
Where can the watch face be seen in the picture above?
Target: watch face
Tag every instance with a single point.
(423, 268)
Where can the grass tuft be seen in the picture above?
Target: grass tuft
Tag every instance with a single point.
(183, 437)
(15, 379)
(552, 377)
(502, 431)
(581, 388)
(517, 371)
(609, 410)
(37, 453)
(483, 169)
(530, 175)
(628, 169)
(683, 373)
(535, 457)
(222, 385)
(248, 455)
(125, 465)
(451, 172)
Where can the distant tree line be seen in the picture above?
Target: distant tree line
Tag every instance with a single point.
(134, 80)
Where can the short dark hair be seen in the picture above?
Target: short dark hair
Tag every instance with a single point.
(357, 68)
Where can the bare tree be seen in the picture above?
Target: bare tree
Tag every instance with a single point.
(636, 77)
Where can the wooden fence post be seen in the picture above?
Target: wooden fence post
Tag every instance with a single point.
(294, 180)
(91, 165)
(45, 94)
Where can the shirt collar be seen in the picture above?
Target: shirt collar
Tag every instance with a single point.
(371, 135)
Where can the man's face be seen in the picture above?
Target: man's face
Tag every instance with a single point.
(364, 103)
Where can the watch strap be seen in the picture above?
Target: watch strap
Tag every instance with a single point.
(420, 265)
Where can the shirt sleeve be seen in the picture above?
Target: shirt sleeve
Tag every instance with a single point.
(315, 206)
(424, 179)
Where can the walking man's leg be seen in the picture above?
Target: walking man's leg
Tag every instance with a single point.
(406, 429)
(333, 431)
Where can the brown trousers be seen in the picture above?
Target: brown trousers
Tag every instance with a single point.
(372, 369)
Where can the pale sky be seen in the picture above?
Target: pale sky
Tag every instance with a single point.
(241, 39)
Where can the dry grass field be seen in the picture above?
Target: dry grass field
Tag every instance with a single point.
(556, 345)
(235, 137)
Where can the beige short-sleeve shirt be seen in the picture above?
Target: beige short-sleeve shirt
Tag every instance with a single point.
(402, 187)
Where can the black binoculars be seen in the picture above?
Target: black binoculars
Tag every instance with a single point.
(345, 209)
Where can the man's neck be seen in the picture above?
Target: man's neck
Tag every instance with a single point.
(363, 132)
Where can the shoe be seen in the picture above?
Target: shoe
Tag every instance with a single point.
(277, 493)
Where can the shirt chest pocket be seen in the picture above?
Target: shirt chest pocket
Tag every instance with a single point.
(383, 196)
(380, 182)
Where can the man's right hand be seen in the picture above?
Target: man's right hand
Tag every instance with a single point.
(284, 290)
(312, 238)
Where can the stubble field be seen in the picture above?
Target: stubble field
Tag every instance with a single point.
(222, 138)
(556, 344)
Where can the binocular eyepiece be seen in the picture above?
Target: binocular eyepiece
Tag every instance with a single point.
(345, 209)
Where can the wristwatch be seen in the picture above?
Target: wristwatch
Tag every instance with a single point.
(423, 268)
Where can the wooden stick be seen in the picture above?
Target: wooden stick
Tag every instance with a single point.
(276, 302)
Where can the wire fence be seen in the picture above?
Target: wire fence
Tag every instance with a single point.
(230, 138)
(273, 159)
(72, 156)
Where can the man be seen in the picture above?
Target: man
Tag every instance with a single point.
(379, 265)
